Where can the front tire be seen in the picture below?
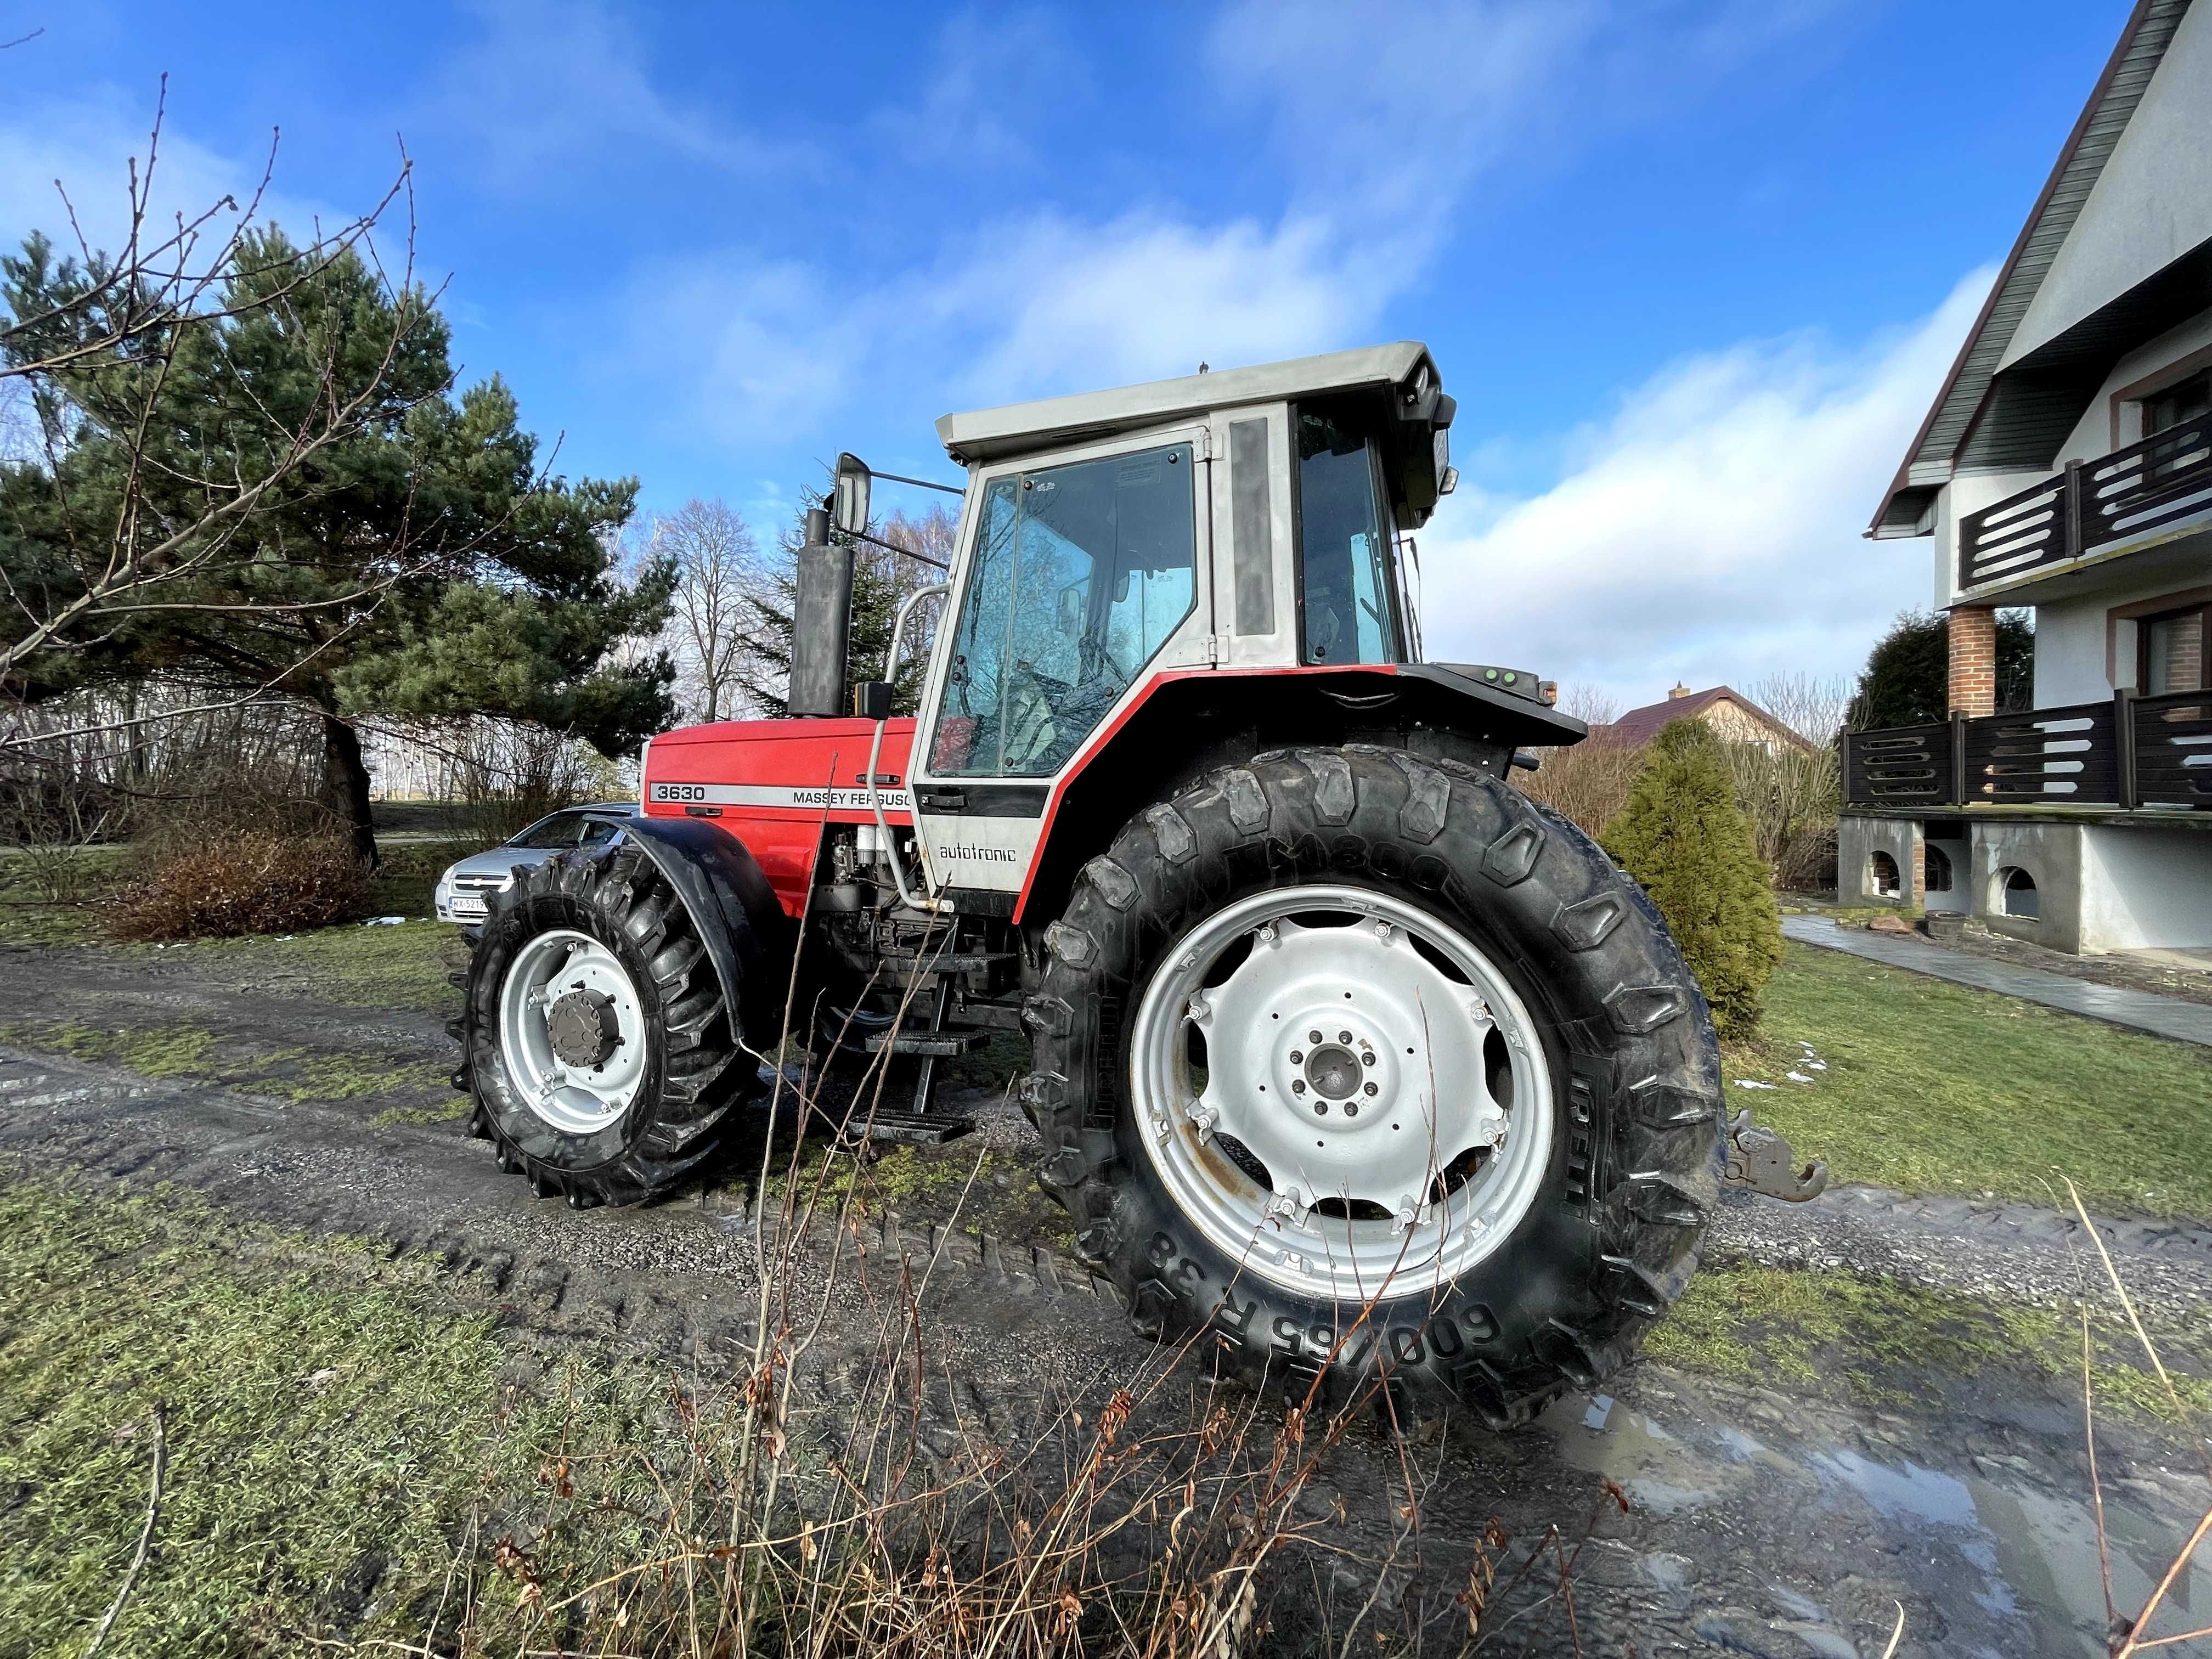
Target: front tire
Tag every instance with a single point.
(1501, 994)
(598, 1046)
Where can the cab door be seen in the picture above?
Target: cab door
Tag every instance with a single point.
(1082, 574)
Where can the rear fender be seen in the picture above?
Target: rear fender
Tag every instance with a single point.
(747, 935)
(1190, 720)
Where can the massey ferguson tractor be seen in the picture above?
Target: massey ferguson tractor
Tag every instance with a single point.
(1344, 1050)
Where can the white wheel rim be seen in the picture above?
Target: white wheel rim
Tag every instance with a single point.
(591, 1086)
(1451, 1132)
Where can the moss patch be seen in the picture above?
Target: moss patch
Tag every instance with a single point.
(202, 1055)
(1882, 1342)
(333, 1429)
(1907, 1082)
(405, 966)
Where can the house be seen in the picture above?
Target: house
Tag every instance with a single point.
(2066, 466)
(1733, 717)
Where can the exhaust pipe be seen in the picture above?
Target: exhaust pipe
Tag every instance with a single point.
(821, 617)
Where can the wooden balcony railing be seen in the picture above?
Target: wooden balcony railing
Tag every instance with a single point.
(2128, 753)
(2128, 493)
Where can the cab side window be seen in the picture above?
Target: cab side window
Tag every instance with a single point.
(1347, 588)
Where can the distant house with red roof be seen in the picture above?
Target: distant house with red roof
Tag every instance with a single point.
(1733, 717)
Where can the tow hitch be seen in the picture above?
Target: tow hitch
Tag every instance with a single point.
(1760, 1160)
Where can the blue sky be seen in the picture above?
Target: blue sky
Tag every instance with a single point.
(1693, 271)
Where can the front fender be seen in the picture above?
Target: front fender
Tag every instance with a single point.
(748, 938)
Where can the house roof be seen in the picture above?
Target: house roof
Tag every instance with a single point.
(1639, 725)
(2049, 401)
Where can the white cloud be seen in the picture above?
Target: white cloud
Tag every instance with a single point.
(89, 144)
(552, 87)
(1710, 531)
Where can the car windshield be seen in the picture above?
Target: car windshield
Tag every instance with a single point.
(559, 830)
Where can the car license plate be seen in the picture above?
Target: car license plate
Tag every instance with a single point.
(464, 905)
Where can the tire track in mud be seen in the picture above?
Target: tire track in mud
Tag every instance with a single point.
(1762, 1522)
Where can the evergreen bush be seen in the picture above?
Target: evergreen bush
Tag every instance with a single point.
(1685, 839)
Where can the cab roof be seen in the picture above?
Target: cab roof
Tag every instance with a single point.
(986, 434)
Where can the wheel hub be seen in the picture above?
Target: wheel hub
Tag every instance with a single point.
(572, 1031)
(1349, 1049)
(582, 1028)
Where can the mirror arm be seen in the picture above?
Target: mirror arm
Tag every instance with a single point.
(892, 547)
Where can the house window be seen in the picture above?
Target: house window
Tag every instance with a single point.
(2016, 894)
(2171, 652)
(2182, 402)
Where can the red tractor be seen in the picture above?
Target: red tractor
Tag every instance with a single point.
(1344, 1049)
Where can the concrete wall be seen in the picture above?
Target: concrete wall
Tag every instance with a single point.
(2146, 887)
(1953, 844)
(1857, 840)
(2151, 203)
(2051, 854)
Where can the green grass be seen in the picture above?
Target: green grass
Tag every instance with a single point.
(1930, 1087)
(1884, 1343)
(201, 1055)
(356, 965)
(27, 917)
(333, 1425)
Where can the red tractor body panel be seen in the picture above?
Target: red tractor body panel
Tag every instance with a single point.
(773, 784)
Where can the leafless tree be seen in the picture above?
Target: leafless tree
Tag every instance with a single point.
(169, 290)
(719, 567)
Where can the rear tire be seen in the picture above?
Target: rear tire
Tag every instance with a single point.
(1595, 1231)
(647, 997)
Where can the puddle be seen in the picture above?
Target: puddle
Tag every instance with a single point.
(2009, 1553)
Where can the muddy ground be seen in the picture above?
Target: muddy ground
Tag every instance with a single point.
(1768, 1514)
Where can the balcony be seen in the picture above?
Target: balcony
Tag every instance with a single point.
(2126, 499)
(2152, 754)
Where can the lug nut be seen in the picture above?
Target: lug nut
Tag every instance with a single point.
(1367, 1058)
(1296, 1059)
(1351, 1108)
(1312, 1036)
(1320, 1109)
(1372, 1090)
(1344, 1036)
(1297, 1088)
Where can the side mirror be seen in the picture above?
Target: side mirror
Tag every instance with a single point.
(872, 699)
(853, 481)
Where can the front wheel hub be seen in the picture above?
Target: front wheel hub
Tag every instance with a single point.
(1338, 1087)
(572, 1031)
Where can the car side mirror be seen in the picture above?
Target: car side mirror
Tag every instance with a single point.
(872, 700)
(854, 483)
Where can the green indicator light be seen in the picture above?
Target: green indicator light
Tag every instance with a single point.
(1509, 678)
(1490, 674)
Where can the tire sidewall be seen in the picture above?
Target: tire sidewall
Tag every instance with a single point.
(1609, 995)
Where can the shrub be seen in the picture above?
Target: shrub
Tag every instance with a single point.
(250, 883)
(1684, 837)
(1587, 783)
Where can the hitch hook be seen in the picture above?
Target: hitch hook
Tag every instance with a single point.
(1760, 1160)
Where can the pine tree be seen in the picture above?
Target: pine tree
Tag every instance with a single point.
(1905, 681)
(1685, 839)
(418, 565)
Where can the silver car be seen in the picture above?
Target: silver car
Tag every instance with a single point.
(462, 891)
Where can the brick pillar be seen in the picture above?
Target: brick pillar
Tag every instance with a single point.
(1973, 661)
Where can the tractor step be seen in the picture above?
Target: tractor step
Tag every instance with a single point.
(939, 1043)
(911, 970)
(912, 1128)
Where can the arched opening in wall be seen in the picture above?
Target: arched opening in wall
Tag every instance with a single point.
(2016, 894)
(1935, 866)
(1881, 876)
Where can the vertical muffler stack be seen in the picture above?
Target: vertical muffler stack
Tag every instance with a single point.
(821, 617)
